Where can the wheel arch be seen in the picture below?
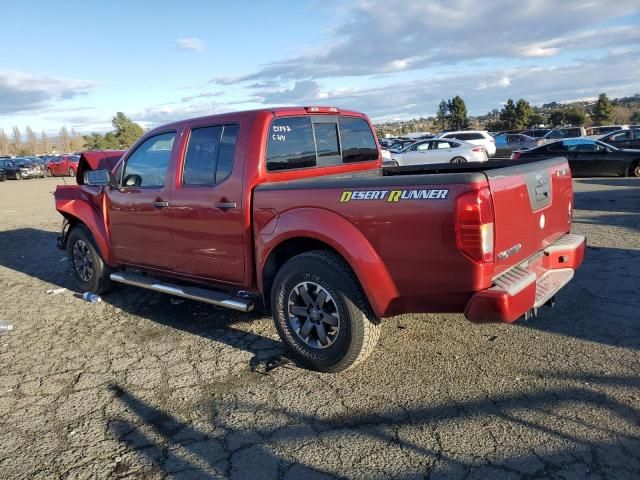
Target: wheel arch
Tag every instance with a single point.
(79, 213)
(309, 229)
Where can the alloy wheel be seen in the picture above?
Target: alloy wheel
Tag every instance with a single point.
(313, 315)
(82, 260)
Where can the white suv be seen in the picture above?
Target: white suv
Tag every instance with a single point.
(476, 137)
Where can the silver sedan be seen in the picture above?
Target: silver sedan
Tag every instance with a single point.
(438, 151)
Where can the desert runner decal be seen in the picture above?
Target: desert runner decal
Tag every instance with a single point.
(393, 195)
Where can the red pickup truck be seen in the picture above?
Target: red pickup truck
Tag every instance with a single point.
(290, 207)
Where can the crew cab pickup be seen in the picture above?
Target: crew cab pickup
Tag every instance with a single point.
(290, 207)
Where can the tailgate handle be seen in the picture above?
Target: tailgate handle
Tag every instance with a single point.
(160, 204)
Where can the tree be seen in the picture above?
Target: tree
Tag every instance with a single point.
(603, 110)
(575, 116)
(126, 131)
(458, 119)
(16, 144)
(4, 143)
(635, 118)
(557, 117)
(64, 139)
(32, 141)
(508, 115)
(45, 142)
(524, 112)
(441, 115)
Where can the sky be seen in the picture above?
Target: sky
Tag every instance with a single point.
(77, 63)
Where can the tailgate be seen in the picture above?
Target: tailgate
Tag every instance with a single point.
(532, 208)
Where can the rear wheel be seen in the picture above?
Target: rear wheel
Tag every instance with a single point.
(90, 271)
(72, 173)
(18, 176)
(49, 173)
(634, 171)
(321, 313)
(458, 160)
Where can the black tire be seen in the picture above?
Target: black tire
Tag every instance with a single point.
(634, 171)
(72, 172)
(81, 246)
(458, 160)
(49, 173)
(357, 330)
(18, 176)
(3, 178)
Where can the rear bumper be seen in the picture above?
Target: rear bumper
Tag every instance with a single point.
(530, 285)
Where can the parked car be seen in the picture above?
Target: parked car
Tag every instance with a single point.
(536, 132)
(588, 157)
(508, 142)
(439, 151)
(19, 168)
(604, 130)
(289, 206)
(476, 137)
(623, 139)
(63, 165)
(564, 132)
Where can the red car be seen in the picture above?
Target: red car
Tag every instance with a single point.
(289, 207)
(65, 165)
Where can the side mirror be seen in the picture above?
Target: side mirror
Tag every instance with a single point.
(99, 178)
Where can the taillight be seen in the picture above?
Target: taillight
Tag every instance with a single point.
(477, 149)
(516, 155)
(474, 225)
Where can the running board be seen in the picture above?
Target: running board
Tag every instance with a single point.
(213, 297)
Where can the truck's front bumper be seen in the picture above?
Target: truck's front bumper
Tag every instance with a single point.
(530, 285)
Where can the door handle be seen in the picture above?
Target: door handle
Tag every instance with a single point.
(160, 204)
(226, 205)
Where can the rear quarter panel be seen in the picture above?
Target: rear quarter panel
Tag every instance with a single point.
(404, 252)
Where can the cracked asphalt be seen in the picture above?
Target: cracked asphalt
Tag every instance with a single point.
(140, 386)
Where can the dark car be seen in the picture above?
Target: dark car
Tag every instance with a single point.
(623, 139)
(19, 168)
(588, 157)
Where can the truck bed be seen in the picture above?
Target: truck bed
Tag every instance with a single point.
(407, 216)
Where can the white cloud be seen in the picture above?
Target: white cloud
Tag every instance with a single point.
(378, 36)
(23, 92)
(192, 44)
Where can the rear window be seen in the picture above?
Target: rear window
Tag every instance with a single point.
(303, 142)
(358, 143)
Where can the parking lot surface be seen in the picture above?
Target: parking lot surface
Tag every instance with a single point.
(144, 386)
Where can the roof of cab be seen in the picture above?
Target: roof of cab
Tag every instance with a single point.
(276, 111)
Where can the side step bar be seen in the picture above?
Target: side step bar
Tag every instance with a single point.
(220, 299)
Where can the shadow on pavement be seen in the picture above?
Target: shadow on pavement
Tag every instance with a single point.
(33, 252)
(176, 447)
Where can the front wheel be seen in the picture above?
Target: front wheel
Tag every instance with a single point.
(321, 313)
(90, 271)
(458, 160)
(49, 173)
(635, 170)
(72, 173)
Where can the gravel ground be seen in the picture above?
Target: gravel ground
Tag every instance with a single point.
(140, 386)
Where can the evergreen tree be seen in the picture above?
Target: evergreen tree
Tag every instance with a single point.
(508, 115)
(458, 119)
(603, 110)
